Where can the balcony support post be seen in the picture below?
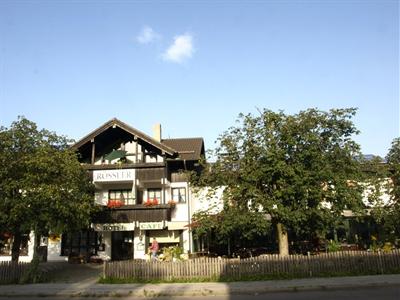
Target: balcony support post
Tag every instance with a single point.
(93, 152)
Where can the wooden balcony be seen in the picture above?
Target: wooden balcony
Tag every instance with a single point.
(132, 213)
(123, 166)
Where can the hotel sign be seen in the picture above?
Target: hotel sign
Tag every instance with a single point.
(114, 227)
(151, 226)
(113, 175)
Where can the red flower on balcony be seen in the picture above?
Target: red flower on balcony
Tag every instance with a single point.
(151, 202)
(115, 203)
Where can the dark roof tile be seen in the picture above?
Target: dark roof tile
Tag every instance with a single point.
(187, 148)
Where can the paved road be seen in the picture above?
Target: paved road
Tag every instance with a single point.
(370, 293)
(367, 287)
(64, 272)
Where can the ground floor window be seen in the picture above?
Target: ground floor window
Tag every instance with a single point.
(84, 243)
(6, 240)
(121, 245)
(5, 243)
(165, 238)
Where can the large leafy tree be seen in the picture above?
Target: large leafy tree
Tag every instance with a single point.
(42, 185)
(233, 224)
(382, 192)
(300, 169)
(393, 212)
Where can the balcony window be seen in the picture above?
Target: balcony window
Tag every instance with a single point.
(125, 196)
(154, 194)
(179, 195)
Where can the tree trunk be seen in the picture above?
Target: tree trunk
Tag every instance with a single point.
(282, 239)
(16, 245)
(36, 244)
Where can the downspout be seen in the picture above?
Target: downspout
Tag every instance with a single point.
(164, 180)
(93, 156)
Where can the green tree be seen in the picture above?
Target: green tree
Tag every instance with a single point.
(382, 182)
(42, 185)
(233, 223)
(393, 213)
(300, 169)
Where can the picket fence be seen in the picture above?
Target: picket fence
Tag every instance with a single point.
(11, 272)
(339, 263)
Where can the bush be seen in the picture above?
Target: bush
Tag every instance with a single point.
(387, 247)
(169, 253)
(333, 246)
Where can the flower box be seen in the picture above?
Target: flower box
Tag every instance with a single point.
(115, 203)
(151, 202)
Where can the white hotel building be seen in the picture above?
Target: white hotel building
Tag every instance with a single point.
(140, 183)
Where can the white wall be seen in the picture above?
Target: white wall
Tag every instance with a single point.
(139, 250)
(54, 251)
(382, 200)
(186, 240)
(106, 254)
(180, 212)
(202, 199)
(24, 258)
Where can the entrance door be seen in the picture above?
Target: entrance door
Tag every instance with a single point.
(121, 245)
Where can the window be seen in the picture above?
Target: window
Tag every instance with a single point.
(154, 193)
(81, 243)
(126, 196)
(5, 243)
(6, 240)
(179, 195)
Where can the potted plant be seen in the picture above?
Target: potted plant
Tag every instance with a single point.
(172, 203)
(113, 203)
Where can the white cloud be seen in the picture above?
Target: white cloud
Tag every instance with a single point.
(181, 49)
(147, 35)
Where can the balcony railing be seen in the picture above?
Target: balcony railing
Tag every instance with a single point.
(88, 166)
(131, 213)
(127, 204)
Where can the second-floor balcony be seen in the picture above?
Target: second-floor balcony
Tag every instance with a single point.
(149, 203)
(132, 213)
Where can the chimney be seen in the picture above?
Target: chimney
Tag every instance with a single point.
(157, 132)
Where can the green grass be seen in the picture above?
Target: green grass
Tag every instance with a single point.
(111, 280)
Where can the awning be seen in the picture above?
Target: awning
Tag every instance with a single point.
(115, 154)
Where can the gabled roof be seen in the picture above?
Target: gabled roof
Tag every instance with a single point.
(115, 122)
(187, 148)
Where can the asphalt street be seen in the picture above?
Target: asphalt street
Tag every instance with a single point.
(369, 293)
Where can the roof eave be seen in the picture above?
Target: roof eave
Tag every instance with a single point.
(126, 127)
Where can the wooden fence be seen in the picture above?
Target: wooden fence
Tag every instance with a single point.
(11, 272)
(339, 263)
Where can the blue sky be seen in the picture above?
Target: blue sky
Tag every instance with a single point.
(194, 66)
